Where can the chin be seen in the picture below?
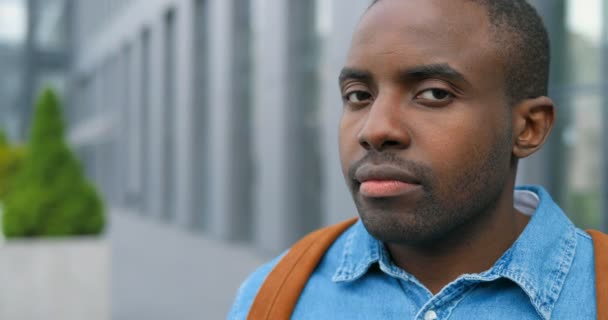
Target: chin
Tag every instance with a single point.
(400, 228)
(422, 225)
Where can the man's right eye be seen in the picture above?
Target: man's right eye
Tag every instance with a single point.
(358, 97)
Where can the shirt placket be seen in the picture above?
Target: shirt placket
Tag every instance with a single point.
(440, 306)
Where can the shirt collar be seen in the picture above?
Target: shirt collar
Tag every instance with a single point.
(541, 257)
(538, 262)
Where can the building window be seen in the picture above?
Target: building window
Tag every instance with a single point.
(13, 22)
(52, 25)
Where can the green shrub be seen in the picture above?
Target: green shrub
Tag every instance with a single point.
(50, 195)
(3, 139)
(11, 158)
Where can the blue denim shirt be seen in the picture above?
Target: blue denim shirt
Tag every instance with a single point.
(547, 273)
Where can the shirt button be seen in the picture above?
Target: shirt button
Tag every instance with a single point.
(430, 315)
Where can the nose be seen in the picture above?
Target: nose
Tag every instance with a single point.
(385, 126)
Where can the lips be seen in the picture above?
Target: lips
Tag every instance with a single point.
(381, 181)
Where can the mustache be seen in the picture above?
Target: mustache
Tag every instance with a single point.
(423, 173)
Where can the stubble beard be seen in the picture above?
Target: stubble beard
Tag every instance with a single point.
(443, 211)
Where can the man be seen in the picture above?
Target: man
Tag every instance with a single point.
(441, 100)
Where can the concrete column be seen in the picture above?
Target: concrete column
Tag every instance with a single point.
(220, 32)
(145, 107)
(169, 110)
(270, 114)
(113, 94)
(119, 139)
(185, 116)
(229, 134)
(303, 151)
(604, 82)
(198, 180)
(97, 103)
(133, 128)
(239, 140)
(156, 122)
(29, 69)
(337, 202)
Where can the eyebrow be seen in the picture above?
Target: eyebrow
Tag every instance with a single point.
(439, 70)
(355, 74)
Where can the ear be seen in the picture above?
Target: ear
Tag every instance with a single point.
(532, 122)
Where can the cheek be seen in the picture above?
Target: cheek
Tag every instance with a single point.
(462, 149)
(347, 142)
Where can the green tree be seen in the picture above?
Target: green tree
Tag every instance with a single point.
(50, 195)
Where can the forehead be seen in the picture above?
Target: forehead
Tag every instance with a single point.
(453, 15)
(404, 33)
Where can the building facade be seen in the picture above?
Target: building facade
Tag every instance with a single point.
(214, 123)
(35, 51)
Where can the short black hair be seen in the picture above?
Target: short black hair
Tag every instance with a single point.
(524, 43)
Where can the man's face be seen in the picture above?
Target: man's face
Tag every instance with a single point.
(425, 135)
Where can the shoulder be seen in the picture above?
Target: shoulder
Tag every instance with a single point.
(584, 249)
(250, 287)
(577, 299)
(583, 264)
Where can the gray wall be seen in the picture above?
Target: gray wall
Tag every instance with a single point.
(255, 164)
(264, 160)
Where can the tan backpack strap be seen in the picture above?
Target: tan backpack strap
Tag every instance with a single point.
(600, 252)
(280, 291)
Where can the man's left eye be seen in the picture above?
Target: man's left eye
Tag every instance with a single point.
(435, 94)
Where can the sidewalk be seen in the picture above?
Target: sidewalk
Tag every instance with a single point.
(161, 272)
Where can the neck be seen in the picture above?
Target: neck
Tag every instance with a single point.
(472, 248)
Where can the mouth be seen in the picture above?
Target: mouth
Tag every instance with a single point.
(384, 181)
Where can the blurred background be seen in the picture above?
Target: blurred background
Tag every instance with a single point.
(210, 129)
